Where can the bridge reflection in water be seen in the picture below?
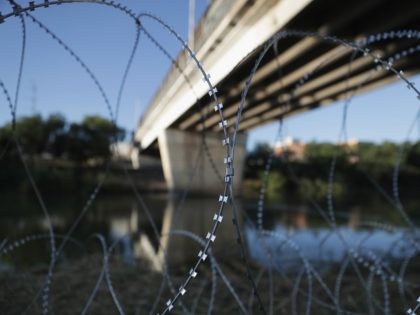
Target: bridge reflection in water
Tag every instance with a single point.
(192, 215)
(319, 244)
(121, 219)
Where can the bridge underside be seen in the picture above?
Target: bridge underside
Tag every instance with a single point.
(336, 71)
(333, 71)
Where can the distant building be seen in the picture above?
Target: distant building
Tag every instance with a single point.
(292, 148)
(351, 146)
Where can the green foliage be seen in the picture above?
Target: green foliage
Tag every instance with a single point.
(318, 188)
(55, 137)
(257, 159)
(413, 156)
(275, 185)
(383, 155)
(30, 132)
(323, 152)
(58, 151)
(91, 139)
(54, 131)
(355, 167)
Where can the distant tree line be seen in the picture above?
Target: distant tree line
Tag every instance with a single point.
(56, 138)
(357, 170)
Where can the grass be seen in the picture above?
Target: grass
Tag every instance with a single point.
(137, 288)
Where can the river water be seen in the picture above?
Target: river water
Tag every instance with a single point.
(293, 232)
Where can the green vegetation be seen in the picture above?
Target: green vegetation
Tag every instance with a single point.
(56, 138)
(358, 169)
(61, 154)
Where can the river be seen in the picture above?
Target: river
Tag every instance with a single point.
(123, 220)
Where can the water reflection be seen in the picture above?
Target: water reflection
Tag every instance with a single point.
(122, 220)
(292, 238)
(193, 215)
(323, 246)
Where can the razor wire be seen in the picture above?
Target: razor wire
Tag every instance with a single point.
(374, 263)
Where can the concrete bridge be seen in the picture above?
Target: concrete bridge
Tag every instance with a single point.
(226, 42)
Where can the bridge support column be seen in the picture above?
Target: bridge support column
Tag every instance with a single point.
(186, 163)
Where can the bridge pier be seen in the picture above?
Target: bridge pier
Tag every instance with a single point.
(186, 163)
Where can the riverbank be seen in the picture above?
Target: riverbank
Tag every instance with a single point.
(137, 286)
(63, 177)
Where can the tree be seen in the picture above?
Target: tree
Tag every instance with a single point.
(54, 131)
(30, 134)
(413, 155)
(7, 148)
(92, 139)
(257, 159)
(35, 135)
(323, 153)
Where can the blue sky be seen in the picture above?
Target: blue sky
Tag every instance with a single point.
(384, 114)
(54, 82)
(103, 38)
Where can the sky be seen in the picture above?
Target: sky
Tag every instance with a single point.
(53, 82)
(384, 114)
(103, 38)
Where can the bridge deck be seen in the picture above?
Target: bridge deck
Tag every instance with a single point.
(224, 42)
